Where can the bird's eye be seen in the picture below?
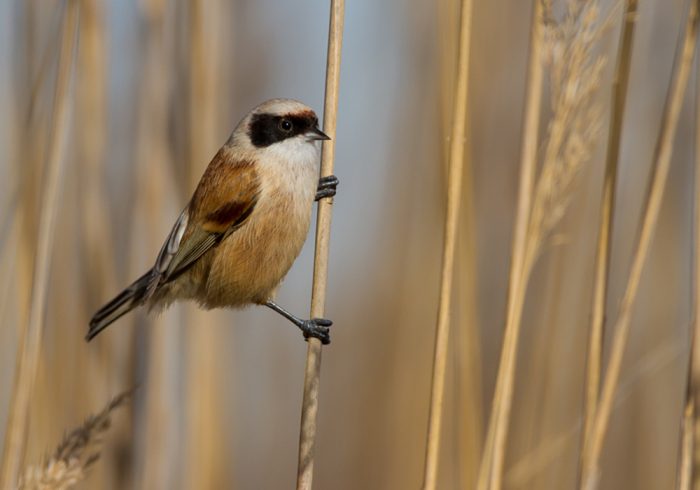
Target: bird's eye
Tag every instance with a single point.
(285, 125)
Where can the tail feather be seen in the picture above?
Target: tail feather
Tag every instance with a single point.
(126, 301)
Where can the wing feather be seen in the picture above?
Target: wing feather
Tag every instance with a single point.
(200, 241)
(224, 199)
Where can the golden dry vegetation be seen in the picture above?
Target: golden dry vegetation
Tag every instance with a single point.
(525, 173)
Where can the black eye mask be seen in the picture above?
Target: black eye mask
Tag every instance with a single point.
(267, 129)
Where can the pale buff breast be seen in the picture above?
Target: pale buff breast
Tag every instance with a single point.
(248, 265)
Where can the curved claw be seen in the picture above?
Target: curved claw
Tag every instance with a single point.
(318, 328)
(328, 181)
(327, 187)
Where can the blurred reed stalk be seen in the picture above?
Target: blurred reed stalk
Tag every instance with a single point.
(469, 399)
(467, 338)
(516, 289)
(689, 449)
(158, 438)
(685, 467)
(312, 372)
(454, 194)
(467, 402)
(96, 240)
(466, 342)
(574, 74)
(594, 361)
(662, 160)
(27, 178)
(205, 453)
(98, 251)
(30, 337)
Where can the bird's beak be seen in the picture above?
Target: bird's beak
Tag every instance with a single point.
(316, 134)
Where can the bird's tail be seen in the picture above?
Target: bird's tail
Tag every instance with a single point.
(126, 301)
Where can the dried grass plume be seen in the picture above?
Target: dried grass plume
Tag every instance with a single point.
(574, 70)
(75, 454)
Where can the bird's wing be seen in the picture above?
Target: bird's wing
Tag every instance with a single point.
(172, 243)
(225, 197)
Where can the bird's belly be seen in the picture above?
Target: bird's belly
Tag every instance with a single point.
(251, 262)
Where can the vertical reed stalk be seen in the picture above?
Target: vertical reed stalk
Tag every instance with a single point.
(692, 394)
(685, 466)
(30, 338)
(98, 245)
(206, 456)
(652, 206)
(312, 372)
(468, 400)
(29, 178)
(594, 359)
(454, 197)
(160, 442)
(516, 287)
(571, 133)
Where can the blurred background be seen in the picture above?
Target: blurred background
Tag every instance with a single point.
(159, 86)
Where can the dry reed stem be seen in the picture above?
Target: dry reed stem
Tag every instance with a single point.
(692, 393)
(602, 262)
(30, 338)
(33, 147)
(75, 454)
(468, 400)
(652, 206)
(312, 371)
(207, 457)
(97, 240)
(528, 167)
(574, 77)
(454, 199)
(685, 467)
(18, 222)
(468, 384)
(447, 11)
(467, 339)
(156, 462)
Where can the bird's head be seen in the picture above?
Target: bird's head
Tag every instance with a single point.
(282, 122)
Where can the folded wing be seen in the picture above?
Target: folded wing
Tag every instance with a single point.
(225, 198)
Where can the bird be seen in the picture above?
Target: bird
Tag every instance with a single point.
(245, 224)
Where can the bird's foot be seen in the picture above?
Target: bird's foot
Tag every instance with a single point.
(318, 328)
(327, 187)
